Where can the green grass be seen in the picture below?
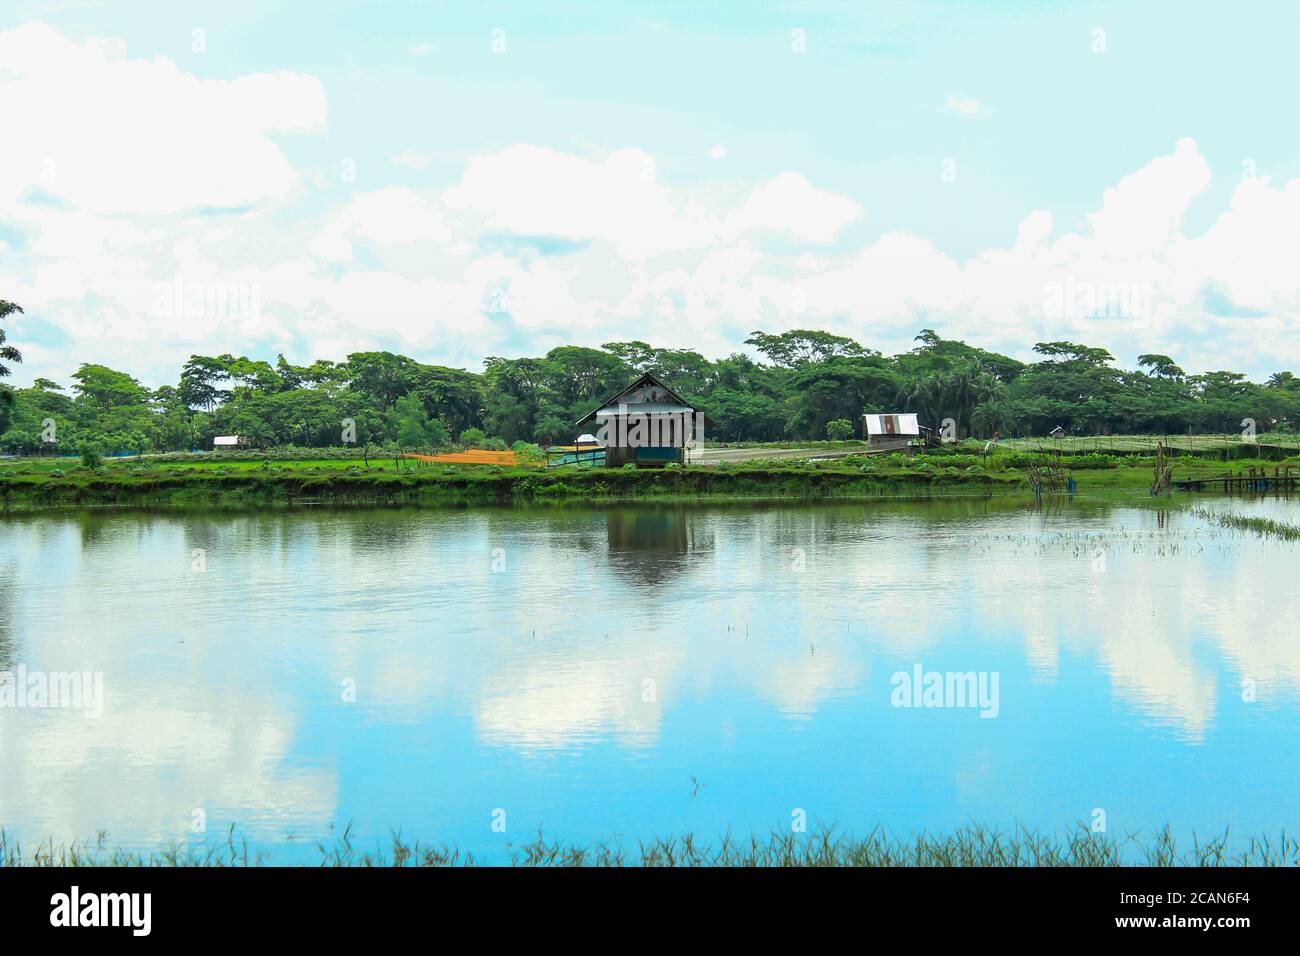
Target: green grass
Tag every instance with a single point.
(219, 481)
(1264, 527)
(970, 846)
(1147, 443)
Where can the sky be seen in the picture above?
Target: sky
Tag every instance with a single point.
(461, 180)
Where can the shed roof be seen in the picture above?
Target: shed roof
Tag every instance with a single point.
(892, 424)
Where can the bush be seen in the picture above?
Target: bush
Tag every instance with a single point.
(90, 458)
(472, 437)
(527, 451)
(839, 429)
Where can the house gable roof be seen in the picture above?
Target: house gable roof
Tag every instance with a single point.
(645, 379)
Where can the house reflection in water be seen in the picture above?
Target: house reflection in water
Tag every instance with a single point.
(652, 544)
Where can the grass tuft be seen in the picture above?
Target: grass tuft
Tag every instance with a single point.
(970, 846)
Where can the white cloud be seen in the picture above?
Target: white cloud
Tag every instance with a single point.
(718, 152)
(109, 134)
(537, 191)
(412, 159)
(394, 215)
(791, 204)
(1145, 211)
(966, 105)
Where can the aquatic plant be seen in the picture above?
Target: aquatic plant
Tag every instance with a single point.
(1264, 527)
(974, 845)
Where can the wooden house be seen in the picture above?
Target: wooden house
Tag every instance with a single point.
(646, 424)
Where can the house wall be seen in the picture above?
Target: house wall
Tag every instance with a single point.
(643, 457)
(618, 457)
(884, 442)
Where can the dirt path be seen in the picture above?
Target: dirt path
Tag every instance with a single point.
(713, 456)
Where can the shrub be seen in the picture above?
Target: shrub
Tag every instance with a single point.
(839, 429)
(90, 458)
(527, 451)
(472, 437)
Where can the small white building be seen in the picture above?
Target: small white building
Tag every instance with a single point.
(227, 441)
(892, 431)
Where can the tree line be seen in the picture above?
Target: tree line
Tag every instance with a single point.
(807, 384)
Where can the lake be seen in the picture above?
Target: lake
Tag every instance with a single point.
(473, 676)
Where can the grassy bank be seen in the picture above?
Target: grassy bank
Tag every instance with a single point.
(214, 481)
(970, 846)
(477, 485)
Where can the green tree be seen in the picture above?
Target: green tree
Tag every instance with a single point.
(7, 352)
(104, 388)
(1161, 366)
(839, 429)
(412, 423)
(804, 346)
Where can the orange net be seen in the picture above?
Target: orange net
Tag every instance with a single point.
(472, 456)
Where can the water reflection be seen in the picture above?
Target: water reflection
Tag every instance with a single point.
(649, 546)
(8, 636)
(579, 664)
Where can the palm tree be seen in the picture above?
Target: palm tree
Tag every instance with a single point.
(925, 394)
(7, 352)
(962, 386)
(992, 415)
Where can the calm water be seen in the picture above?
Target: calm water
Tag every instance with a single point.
(637, 671)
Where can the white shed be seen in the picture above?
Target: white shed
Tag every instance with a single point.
(227, 441)
(903, 424)
(892, 430)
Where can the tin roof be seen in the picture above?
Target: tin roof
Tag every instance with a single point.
(900, 424)
(642, 408)
(664, 400)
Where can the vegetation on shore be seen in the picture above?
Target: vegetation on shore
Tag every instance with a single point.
(251, 479)
(969, 846)
(345, 483)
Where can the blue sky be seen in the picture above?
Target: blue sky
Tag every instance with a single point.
(921, 135)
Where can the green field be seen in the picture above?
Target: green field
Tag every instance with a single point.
(1146, 444)
(218, 480)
